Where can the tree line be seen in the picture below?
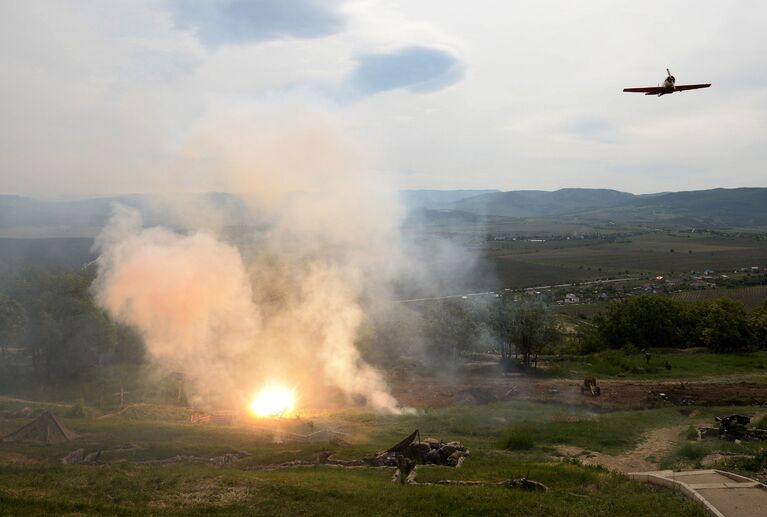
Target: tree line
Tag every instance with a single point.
(50, 317)
(519, 328)
(646, 321)
(446, 332)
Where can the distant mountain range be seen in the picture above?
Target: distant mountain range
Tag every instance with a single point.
(29, 217)
(717, 208)
(415, 199)
(539, 203)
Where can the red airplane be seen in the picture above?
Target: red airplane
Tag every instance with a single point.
(668, 86)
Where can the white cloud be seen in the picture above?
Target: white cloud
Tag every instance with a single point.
(98, 97)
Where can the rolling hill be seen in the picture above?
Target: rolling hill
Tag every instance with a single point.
(22, 217)
(716, 208)
(539, 203)
(436, 199)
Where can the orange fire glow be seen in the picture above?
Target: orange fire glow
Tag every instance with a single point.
(273, 401)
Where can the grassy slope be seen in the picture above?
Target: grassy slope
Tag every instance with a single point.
(184, 490)
(685, 365)
(122, 488)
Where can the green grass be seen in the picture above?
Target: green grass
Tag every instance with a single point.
(610, 432)
(518, 440)
(753, 466)
(123, 488)
(684, 365)
(689, 453)
(761, 423)
(691, 433)
(692, 452)
(185, 490)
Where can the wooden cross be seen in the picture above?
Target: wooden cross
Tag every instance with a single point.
(122, 394)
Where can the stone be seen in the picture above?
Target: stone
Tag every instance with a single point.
(74, 458)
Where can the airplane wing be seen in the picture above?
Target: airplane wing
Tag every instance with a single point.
(683, 87)
(649, 90)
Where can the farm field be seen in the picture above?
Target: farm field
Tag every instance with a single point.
(529, 264)
(516, 273)
(750, 296)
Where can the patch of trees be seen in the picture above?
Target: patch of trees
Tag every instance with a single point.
(50, 315)
(519, 328)
(450, 328)
(646, 321)
(524, 328)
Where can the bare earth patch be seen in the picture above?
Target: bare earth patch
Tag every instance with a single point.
(428, 390)
(641, 459)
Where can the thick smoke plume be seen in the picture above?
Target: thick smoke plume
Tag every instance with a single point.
(286, 303)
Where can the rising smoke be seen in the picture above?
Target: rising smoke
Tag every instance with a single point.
(287, 301)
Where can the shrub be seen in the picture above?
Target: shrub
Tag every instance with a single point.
(692, 452)
(77, 410)
(518, 440)
(691, 433)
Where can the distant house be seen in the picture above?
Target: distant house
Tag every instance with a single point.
(572, 298)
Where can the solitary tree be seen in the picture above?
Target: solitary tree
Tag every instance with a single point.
(524, 327)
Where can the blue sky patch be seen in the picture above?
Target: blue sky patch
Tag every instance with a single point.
(224, 22)
(418, 69)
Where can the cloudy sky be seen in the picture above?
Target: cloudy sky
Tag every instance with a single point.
(103, 97)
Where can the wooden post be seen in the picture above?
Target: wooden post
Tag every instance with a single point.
(122, 394)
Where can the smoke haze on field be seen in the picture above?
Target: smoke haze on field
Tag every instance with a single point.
(291, 310)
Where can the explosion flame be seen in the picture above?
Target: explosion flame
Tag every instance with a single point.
(273, 401)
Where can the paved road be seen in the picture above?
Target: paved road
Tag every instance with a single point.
(724, 494)
(536, 288)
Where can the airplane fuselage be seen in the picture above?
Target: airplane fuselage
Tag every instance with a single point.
(668, 85)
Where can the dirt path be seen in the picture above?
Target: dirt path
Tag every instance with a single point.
(654, 445)
(37, 402)
(425, 390)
